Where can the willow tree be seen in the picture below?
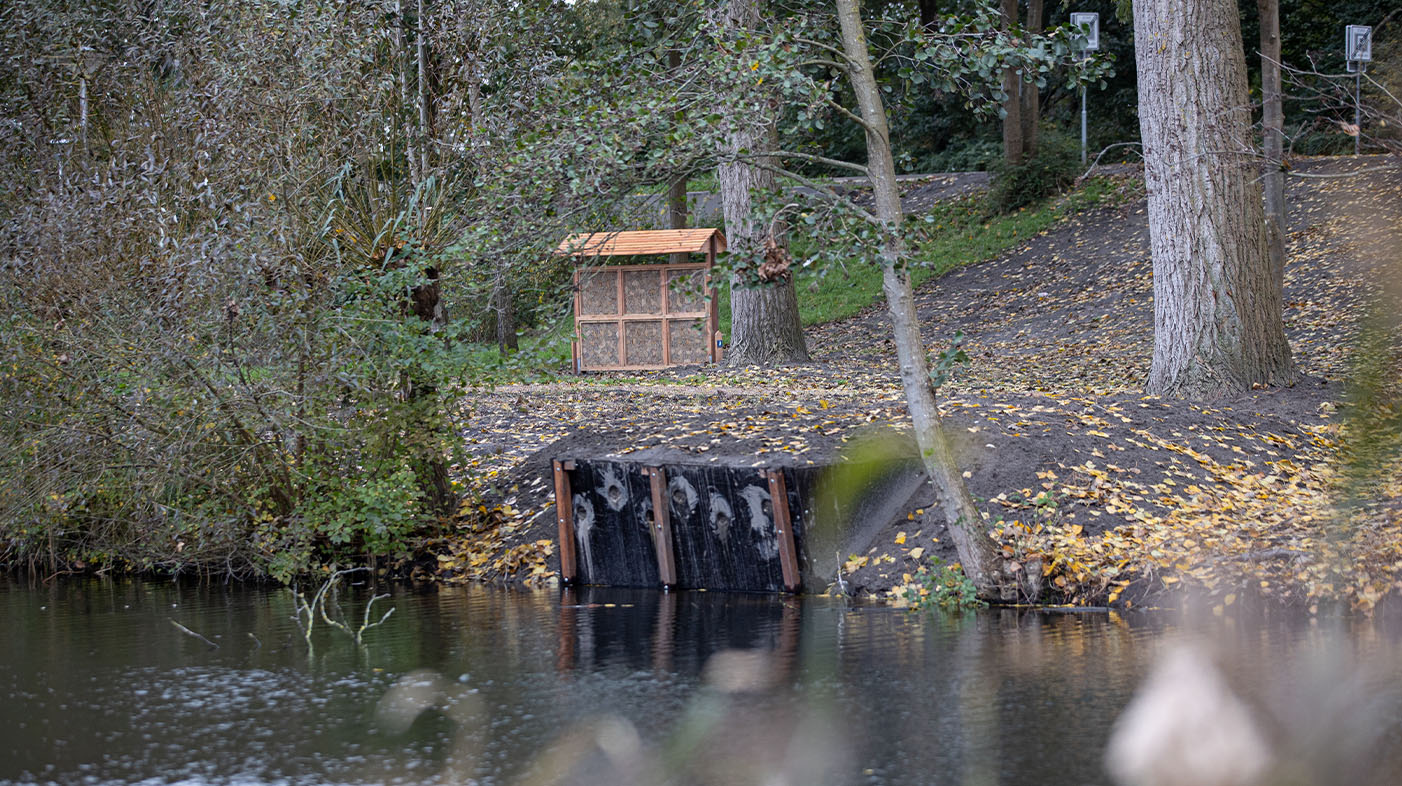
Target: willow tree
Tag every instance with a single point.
(1218, 325)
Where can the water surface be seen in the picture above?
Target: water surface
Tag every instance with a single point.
(489, 686)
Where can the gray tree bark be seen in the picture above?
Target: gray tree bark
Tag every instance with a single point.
(764, 324)
(421, 94)
(1273, 139)
(1218, 327)
(978, 553)
(406, 95)
(1012, 105)
(504, 307)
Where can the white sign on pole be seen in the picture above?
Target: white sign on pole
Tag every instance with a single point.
(1088, 24)
(1358, 43)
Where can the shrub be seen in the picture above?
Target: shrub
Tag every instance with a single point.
(1054, 168)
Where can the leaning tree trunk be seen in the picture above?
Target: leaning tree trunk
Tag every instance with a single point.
(1273, 139)
(1218, 328)
(978, 552)
(764, 325)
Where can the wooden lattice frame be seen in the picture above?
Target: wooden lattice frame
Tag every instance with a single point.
(631, 317)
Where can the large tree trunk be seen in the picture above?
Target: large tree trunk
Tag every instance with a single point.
(1012, 105)
(1273, 139)
(1217, 312)
(764, 325)
(978, 553)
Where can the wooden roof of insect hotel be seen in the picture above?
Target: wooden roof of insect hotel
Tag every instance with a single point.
(656, 241)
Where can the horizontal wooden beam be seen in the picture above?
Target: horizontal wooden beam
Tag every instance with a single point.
(655, 241)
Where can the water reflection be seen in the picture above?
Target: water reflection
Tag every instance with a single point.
(477, 685)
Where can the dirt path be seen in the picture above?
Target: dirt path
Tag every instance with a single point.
(1117, 495)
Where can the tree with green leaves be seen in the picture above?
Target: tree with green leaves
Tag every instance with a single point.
(764, 326)
(808, 56)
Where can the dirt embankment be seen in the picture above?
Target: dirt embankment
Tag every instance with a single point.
(1117, 496)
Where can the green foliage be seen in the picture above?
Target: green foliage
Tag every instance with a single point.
(220, 351)
(942, 586)
(947, 359)
(1052, 169)
(953, 234)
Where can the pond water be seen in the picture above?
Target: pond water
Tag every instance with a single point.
(483, 685)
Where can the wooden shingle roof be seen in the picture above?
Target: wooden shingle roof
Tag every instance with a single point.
(657, 241)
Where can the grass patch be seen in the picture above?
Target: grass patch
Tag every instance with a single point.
(955, 233)
(958, 232)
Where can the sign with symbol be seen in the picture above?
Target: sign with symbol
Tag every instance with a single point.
(1088, 29)
(1358, 43)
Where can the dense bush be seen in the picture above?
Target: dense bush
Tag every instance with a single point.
(221, 348)
(1053, 168)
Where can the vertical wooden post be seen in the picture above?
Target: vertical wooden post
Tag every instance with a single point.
(713, 330)
(663, 273)
(578, 310)
(662, 527)
(783, 528)
(564, 518)
(622, 346)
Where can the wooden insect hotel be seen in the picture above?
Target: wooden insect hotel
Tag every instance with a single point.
(648, 316)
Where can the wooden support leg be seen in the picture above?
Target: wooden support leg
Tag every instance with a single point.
(783, 528)
(564, 517)
(662, 527)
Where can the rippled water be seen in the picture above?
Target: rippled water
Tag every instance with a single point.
(481, 685)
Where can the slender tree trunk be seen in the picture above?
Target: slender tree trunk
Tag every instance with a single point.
(764, 324)
(676, 213)
(1030, 113)
(83, 112)
(1012, 105)
(1273, 139)
(406, 101)
(1217, 312)
(421, 78)
(676, 190)
(505, 308)
(929, 11)
(978, 553)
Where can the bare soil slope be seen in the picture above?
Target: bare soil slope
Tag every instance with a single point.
(1112, 495)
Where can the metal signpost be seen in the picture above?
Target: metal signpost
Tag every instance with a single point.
(1088, 23)
(1358, 50)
